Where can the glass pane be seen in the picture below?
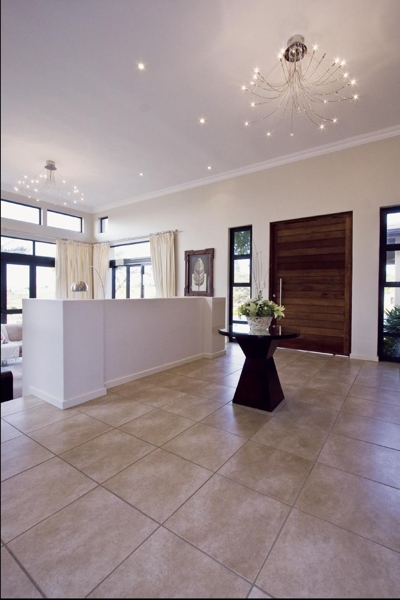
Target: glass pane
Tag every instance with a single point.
(240, 295)
(241, 242)
(135, 288)
(241, 271)
(391, 347)
(45, 282)
(391, 298)
(14, 319)
(104, 225)
(139, 250)
(16, 246)
(55, 219)
(17, 285)
(393, 265)
(20, 212)
(393, 228)
(120, 282)
(148, 282)
(45, 249)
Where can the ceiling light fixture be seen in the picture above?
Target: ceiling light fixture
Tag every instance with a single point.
(302, 84)
(49, 187)
(202, 121)
(141, 66)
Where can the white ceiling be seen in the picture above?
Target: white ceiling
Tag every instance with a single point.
(72, 92)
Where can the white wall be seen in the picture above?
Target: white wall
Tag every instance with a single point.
(360, 179)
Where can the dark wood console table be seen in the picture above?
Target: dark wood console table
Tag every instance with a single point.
(259, 385)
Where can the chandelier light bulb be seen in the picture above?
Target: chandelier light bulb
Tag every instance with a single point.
(355, 96)
(202, 121)
(301, 85)
(246, 123)
(268, 134)
(141, 66)
(16, 189)
(335, 120)
(209, 168)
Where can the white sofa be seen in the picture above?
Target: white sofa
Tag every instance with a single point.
(12, 349)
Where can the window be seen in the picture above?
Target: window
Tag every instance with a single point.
(20, 212)
(64, 221)
(389, 285)
(103, 224)
(240, 270)
(132, 272)
(27, 271)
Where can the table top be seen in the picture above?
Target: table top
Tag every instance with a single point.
(275, 332)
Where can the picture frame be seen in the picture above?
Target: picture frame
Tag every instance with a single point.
(199, 267)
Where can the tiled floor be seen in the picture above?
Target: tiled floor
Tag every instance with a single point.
(163, 488)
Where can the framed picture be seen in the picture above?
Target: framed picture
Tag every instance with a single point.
(199, 272)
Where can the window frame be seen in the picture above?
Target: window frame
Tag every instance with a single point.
(384, 247)
(128, 263)
(57, 212)
(232, 258)
(38, 208)
(102, 221)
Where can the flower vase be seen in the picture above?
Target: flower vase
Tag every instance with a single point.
(259, 324)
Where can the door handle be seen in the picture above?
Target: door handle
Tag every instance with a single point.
(280, 291)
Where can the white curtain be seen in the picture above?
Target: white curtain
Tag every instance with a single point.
(162, 251)
(101, 262)
(72, 262)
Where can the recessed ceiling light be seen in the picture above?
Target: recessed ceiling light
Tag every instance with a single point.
(141, 174)
(209, 168)
(202, 121)
(141, 66)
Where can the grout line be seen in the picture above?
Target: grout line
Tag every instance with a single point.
(21, 566)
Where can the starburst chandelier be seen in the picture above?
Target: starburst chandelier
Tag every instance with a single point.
(301, 83)
(49, 186)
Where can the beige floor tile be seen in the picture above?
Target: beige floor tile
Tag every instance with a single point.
(98, 402)
(118, 412)
(231, 380)
(71, 552)
(157, 396)
(314, 559)
(157, 427)
(107, 455)
(8, 432)
(233, 524)
(128, 389)
(257, 593)
(343, 375)
(374, 410)
(68, 434)
(336, 387)
(193, 407)
(33, 495)
(210, 374)
(357, 504)
(291, 379)
(289, 390)
(237, 420)
(18, 404)
(190, 385)
(158, 484)
(39, 416)
(215, 391)
(320, 398)
(20, 454)
(375, 394)
(302, 413)
(167, 567)
(383, 382)
(205, 446)
(362, 458)
(176, 382)
(14, 582)
(287, 435)
(272, 472)
(368, 430)
(304, 370)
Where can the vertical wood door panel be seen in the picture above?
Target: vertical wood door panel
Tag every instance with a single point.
(312, 258)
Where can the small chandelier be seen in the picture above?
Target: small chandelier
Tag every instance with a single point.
(300, 84)
(49, 186)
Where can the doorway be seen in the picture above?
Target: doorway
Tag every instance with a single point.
(311, 275)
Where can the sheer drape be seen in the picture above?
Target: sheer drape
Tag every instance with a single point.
(162, 250)
(72, 260)
(101, 261)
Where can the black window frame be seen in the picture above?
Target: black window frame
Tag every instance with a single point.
(33, 261)
(129, 262)
(232, 258)
(38, 208)
(102, 220)
(57, 212)
(384, 247)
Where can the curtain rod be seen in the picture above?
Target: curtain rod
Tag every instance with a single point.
(142, 237)
(30, 236)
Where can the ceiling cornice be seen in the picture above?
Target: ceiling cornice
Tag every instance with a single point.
(268, 164)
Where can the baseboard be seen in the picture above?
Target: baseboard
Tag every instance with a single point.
(361, 357)
(177, 363)
(63, 404)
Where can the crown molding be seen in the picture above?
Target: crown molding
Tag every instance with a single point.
(261, 166)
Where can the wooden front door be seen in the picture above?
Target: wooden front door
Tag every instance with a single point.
(310, 274)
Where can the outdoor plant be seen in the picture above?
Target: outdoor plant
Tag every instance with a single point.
(391, 345)
(257, 307)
